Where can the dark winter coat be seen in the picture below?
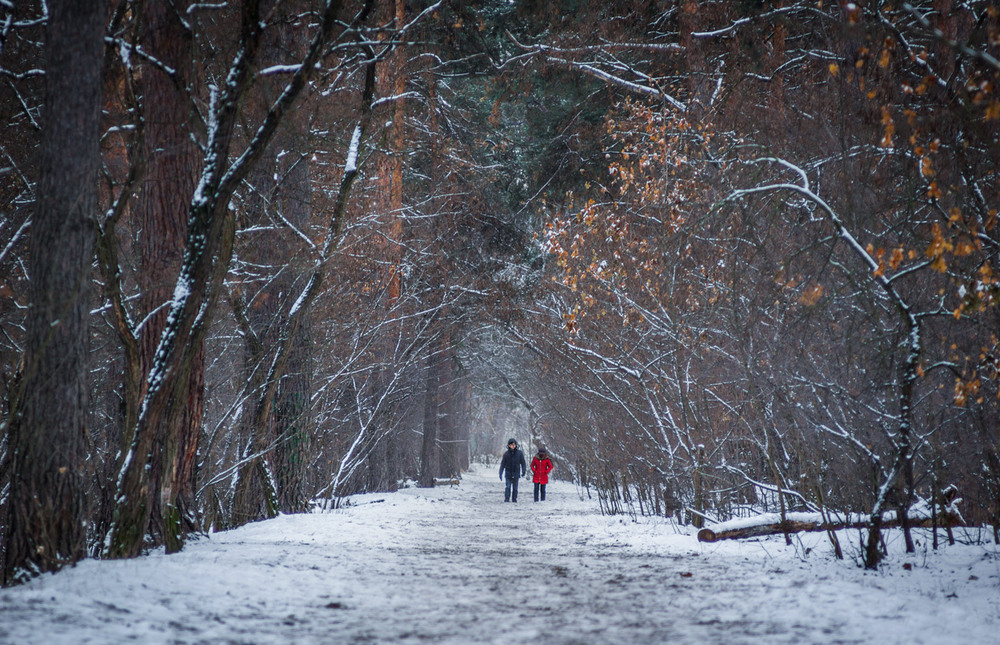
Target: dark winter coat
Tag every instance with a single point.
(541, 466)
(513, 464)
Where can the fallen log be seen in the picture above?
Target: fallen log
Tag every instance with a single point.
(771, 524)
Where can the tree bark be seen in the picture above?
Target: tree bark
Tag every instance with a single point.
(276, 428)
(172, 166)
(384, 463)
(429, 448)
(448, 464)
(293, 420)
(208, 249)
(45, 528)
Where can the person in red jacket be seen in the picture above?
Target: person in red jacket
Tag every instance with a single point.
(541, 466)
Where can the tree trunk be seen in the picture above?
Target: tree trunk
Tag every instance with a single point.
(903, 464)
(390, 81)
(293, 425)
(698, 519)
(448, 465)
(293, 420)
(164, 464)
(463, 422)
(208, 247)
(429, 449)
(45, 528)
(271, 436)
(171, 172)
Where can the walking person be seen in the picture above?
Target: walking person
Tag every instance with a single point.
(513, 466)
(541, 466)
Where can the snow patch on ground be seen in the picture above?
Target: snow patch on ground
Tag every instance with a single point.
(457, 565)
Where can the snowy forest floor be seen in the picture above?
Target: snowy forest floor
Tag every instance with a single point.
(457, 565)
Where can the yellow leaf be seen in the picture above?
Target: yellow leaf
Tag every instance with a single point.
(811, 295)
(896, 259)
(890, 128)
(964, 247)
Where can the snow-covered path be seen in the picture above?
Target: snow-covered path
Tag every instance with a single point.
(456, 565)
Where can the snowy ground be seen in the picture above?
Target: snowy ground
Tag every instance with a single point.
(456, 565)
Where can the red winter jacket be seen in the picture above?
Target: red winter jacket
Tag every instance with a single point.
(541, 466)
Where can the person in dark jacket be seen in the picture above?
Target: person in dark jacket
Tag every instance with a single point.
(541, 466)
(513, 466)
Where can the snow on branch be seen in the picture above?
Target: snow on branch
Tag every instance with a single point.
(609, 46)
(621, 82)
(279, 69)
(126, 49)
(806, 191)
(20, 76)
(205, 5)
(351, 165)
(614, 365)
(954, 44)
(745, 21)
(416, 19)
(558, 57)
(396, 97)
(14, 239)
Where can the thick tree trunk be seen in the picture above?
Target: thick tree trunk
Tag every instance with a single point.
(281, 190)
(269, 478)
(293, 419)
(293, 424)
(254, 372)
(45, 528)
(163, 467)
(446, 410)
(171, 174)
(390, 81)
(207, 252)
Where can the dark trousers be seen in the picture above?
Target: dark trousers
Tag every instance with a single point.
(540, 490)
(510, 490)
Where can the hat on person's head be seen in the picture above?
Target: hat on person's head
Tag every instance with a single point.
(512, 441)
